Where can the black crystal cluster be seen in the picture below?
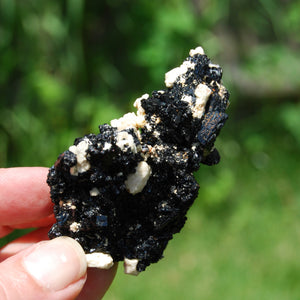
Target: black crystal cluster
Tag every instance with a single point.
(124, 192)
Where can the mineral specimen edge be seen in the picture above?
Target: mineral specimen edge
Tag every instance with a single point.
(124, 192)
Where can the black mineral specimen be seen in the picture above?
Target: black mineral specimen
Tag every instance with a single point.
(124, 192)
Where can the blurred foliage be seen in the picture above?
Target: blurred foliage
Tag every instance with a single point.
(68, 66)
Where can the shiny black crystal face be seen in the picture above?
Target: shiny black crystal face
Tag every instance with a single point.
(126, 190)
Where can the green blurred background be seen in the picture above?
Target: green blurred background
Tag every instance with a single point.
(68, 66)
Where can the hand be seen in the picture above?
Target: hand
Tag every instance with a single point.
(32, 266)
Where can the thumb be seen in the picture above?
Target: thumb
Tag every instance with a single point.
(53, 269)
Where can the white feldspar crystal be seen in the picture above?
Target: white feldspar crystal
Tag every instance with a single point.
(129, 120)
(202, 93)
(94, 192)
(138, 104)
(187, 64)
(99, 260)
(74, 227)
(80, 151)
(171, 76)
(214, 66)
(107, 146)
(188, 99)
(136, 182)
(130, 266)
(125, 140)
(222, 90)
(198, 50)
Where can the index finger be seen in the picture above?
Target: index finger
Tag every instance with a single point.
(24, 195)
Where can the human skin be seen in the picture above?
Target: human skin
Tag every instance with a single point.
(32, 265)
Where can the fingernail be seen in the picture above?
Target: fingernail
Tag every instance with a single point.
(57, 263)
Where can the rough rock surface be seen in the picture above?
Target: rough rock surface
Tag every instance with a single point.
(124, 192)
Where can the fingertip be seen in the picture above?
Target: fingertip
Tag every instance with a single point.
(56, 264)
(54, 269)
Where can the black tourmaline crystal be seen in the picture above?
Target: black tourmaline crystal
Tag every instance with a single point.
(124, 192)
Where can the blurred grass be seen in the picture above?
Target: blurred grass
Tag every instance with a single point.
(68, 66)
